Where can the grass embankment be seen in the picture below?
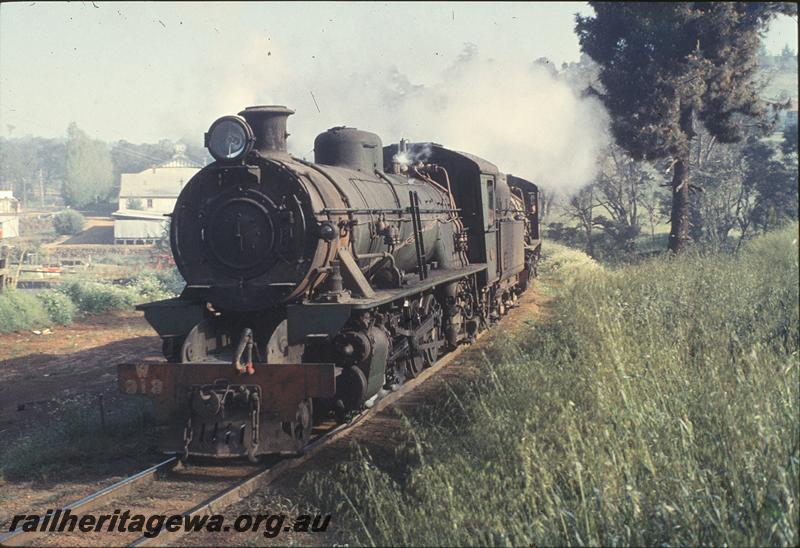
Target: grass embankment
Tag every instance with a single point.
(24, 310)
(657, 405)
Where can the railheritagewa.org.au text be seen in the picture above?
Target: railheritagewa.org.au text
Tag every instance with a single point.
(271, 525)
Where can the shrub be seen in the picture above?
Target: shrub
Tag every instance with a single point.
(96, 298)
(564, 263)
(68, 221)
(147, 286)
(171, 281)
(58, 305)
(21, 310)
(152, 285)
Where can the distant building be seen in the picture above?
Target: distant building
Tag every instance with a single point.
(145, 197)
(9, 215)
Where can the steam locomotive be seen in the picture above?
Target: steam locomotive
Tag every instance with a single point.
(313, 288)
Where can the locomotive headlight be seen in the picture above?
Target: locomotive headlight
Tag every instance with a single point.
(230, 138)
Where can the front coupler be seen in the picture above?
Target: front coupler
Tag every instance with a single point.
(211, 409)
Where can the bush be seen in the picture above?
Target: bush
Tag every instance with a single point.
(564, 263)
(23, 310)
(20, 310)
(152, 285)
(656, 405)
(59, 306)
(171, 281)
(148, 285)
(68, 222)
(96, 298)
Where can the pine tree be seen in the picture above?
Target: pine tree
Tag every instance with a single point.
(666, 67)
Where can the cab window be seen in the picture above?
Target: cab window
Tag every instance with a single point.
(490, 206)
(532, 201)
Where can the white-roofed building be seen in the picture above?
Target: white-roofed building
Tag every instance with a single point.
(145, 198)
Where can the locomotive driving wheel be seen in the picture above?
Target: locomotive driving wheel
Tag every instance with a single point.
(414, 362)
(413, 366)
(432, 339)
(425, 320)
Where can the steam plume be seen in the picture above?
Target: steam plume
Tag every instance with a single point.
(527, 120)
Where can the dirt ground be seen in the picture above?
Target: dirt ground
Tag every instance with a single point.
(36, 370)
(96, 230)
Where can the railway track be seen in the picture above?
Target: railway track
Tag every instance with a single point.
(222, 485)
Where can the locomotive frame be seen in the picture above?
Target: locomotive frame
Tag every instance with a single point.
(313, 288)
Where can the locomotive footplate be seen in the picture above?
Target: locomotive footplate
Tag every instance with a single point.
(212, 409)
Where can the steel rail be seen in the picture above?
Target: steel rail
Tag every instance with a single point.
(89, 502)
(246, 486)
(220, 500)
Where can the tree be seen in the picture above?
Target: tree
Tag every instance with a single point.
(666, 67)
(134, 203)
(771, 171)
(68, 221)
(580, 207)
(88, 177)
(763, 58)
(17, 167)
(789, 145)
(32, 166)
(788, 58)
(546, 200)
(726, 200)
(622, 186)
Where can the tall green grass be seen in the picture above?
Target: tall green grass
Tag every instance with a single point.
(657, 404)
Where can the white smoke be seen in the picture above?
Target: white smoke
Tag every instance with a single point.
(407, 156)
(527, 120)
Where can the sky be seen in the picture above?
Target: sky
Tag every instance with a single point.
(117, 68)
(144, 71)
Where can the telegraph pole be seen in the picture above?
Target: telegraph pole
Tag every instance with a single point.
(41, 187)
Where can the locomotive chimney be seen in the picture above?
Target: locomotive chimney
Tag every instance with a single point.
(269, 127)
